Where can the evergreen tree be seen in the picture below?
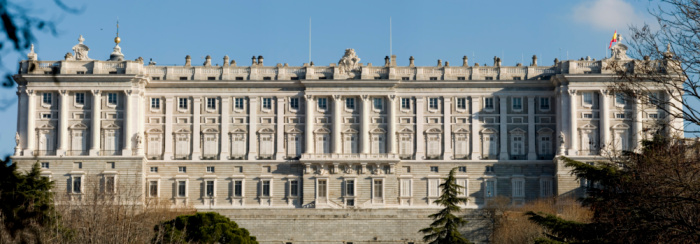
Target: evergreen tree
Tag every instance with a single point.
(445, 228)
(202, 228)
(26, 200)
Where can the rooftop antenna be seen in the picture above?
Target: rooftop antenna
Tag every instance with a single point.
(390, 36)
(309, 40)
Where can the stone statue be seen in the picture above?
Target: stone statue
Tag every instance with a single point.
(619, 52)
(17, 139)
(139, 140)
(321, 169)
(348, 169)
(69, 56)
(81, 50)
(561, 138)
(349, 61)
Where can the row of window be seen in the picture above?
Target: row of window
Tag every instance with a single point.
(47, 98)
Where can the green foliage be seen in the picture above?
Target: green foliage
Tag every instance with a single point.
(202, 228)
(445, 228)
(25, 199)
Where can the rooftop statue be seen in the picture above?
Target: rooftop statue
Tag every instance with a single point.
(349, 61)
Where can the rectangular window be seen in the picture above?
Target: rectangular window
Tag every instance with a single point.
(461, 103)
(183, 77)
(517, 103)
(377, 103)
(588, 99)
(155, 78)
(620, 99)
(237, 188)
(350, 203)
(266, 188)
(463, 169)
(544, 103)
(404, 78)
(46, 98)
(211, 103)
(350, 188)
(182, 103)
(238, 103)
(45, 115)
(77, 165)
(653, 116)
(153, 188)
(434, 169)
(350, 103)
(433, 187)
(77, 184)
(517, 78)
(489, 189)
(80, 98)
(211, 78)
(619, 115)
(210, 188)
(155, 103)
(267, 103)
(44, 165)
(322, 188)
(181, 188)
(239, 78)
(461, 78)
(210, 169)
(182, 169)
(488, 103)
(588, 116)
(489, 78)
(378, 188)
(322, 103)
(294, 188)
(405, 103)
(517, 145)
(433, 103)
(112, 98)
(154, 169)
(109, 184)
(433, 78)
(294, 103)
(518, 188)
(489, 169)
(406, 187)
(546, 188)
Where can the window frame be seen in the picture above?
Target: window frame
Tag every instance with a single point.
(155, 103)
(112, 99)
(79, 99)
(46, 98)
(548, 103)
(182, 103)
(377, 104)
(210, 103)
(620, 100)
(293, 103)
(350, 103)
(238, 101)
(513, 103)
(324, 103)
(461, 103)
(405, 103)
(489, 104)
(433, 101)
(583, 99)
(266, 104)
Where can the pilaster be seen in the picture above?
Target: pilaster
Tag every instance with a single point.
(573, 134)
(604, 120)
(420, 121)
(364, 130)
(280, 128)
(31, 120)
(196, 126)
(168, 153)
(337, 123)
(252, 128)
(128, 123)
(531, 146)
(476, 127)
(63, 124)
(447, 128)
(503, 131)
(223, 132)
(96, 117)
(309, 123)
(391, 137)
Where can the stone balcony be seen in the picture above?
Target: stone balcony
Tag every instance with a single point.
(350, 157)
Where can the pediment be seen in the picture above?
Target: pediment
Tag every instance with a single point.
(294, 131)
(488, 130)
(322, 130)
(111, 127)
(46, 127)
(377, 131)
(79, 126)
(405, 130)
(154, 131)
(238, 131)
(620, 126)
(517, 131)
(182, 131)
(588, 127)
(350, 131)
(461, 131)
(266, 131)
(545, 131)
(433, 130)
(210, 131)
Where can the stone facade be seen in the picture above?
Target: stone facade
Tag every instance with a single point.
(343, 137)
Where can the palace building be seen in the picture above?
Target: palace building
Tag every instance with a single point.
(350, 136)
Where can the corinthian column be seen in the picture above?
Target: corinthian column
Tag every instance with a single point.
(63, 124)
(391, 137)
(128, 123)
(364, 130)
(337, 123)
(309, 123)
(96, 123)
(573, 118)
(503, 127)
(31, 130)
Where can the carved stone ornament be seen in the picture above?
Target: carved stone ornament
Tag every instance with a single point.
(81, 50)
(561, 138)
(349, 62)
(139, 140)
(619, 52)
(17, 138)
(349, 169)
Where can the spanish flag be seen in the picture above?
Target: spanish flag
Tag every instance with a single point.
(614, 39)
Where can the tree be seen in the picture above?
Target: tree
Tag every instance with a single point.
(26, 201)
(202, 228)
(445, 228)
(652, 196)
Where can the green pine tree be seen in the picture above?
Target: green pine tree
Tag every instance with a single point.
(445, 228)
(202, 228)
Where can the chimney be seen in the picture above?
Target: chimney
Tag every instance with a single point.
(465, 61)
(393, 60)
(188, 60)
(226, 64)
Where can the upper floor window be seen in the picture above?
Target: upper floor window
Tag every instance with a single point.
(544, 103)
(322, 103)
(620, 99)
(588, 99)
(46, 98)
(294, 103)
(238, 103)
(182, 103)
(488, 103)
(433, 103)
(182, 169)
(461, 103)
(267, 103)
(434, 169)
(377, 103)
(80, 98)
(405, 103)
(211, 103)
(350, 103)
(155, 103)
(112, 98)
(517, 103)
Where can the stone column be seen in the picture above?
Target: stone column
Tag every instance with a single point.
(604, 120)
(364, 129)
(476, 127)
(420, 121)
(337, 124)
(223, 133)
(196, 126)
(309, 123)
(447, 128)
(638, 117)
(573, 118)
(96, 122)
(140, 124)
(675, 118)
(503, 131)
(63, 124)
(168, 153)
(531, 134)
(128, 122)
(31, 128)
(21, 122)
(280, 128)
(391, 137)
(252, 128)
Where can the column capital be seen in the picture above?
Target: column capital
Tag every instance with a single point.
(309, 97)
(336, 97)
(571, 91)
(604, 91)
(63, 92)
(364, 97)
(95, 92)
(391, 97)
(128, 92)
(30, 92)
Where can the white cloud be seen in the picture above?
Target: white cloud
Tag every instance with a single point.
(607, 14)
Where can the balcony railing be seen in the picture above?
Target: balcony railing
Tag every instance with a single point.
(110, 152)
(349, 156)
(45, 153)
(210, 156)
(155, 157)
(182, 156)
(77, 153)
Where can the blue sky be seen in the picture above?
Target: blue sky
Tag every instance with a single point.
(167, 31)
